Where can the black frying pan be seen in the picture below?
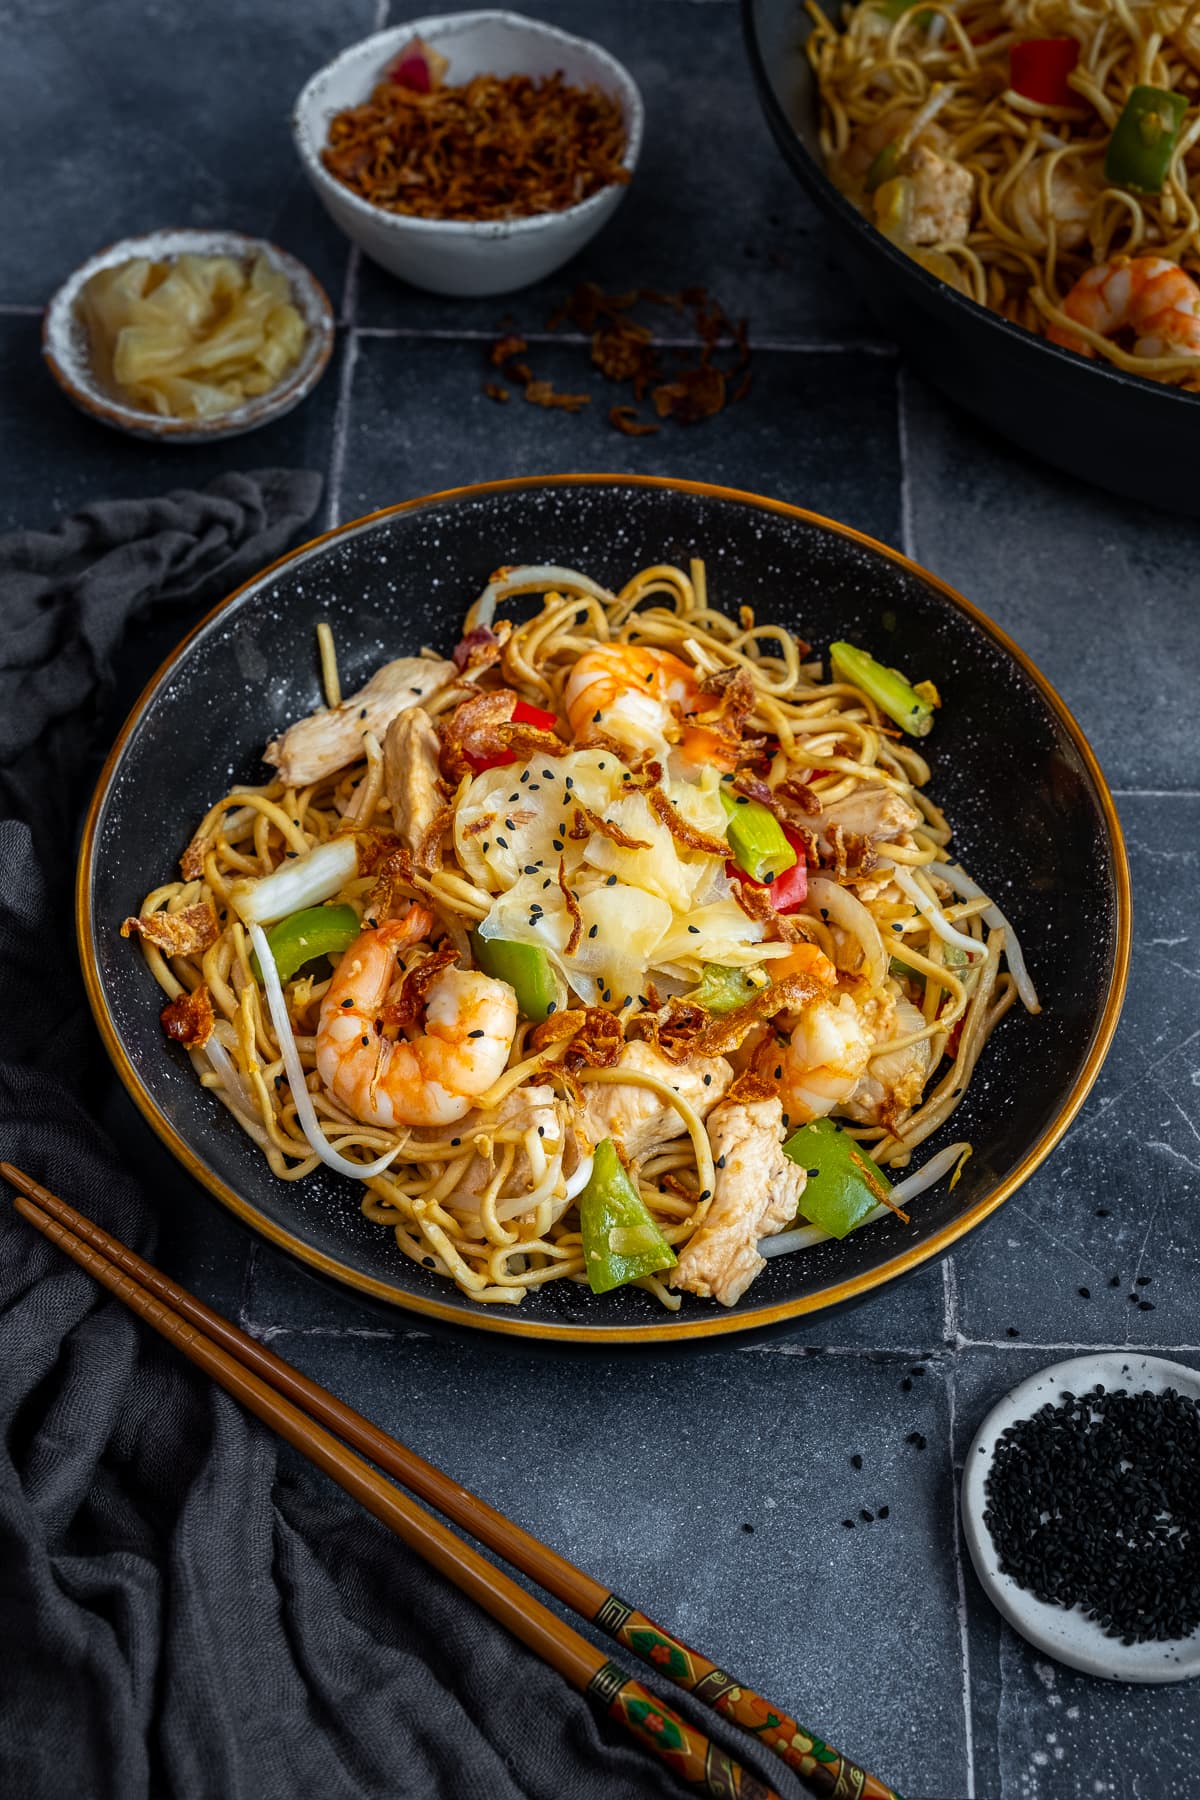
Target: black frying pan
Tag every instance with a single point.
(1135, 437)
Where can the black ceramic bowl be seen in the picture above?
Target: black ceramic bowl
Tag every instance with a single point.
(1034, 822)
(1136, 437)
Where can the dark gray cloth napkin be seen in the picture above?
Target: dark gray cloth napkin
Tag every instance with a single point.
(183, 1612)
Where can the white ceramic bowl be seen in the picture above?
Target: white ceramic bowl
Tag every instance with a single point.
(68, 354)
(453, 256)
(1069, 1635)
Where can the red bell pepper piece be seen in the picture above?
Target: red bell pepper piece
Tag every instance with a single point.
(789, 890)
(1038, 70)
(522, 714)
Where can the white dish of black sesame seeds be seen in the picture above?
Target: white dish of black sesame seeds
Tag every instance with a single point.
(1081, 1511)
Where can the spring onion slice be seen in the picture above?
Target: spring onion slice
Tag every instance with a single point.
(930, 910)
(925, 1177)
(530, 578)
(293, 886)
(295, 1073)
(991, 915)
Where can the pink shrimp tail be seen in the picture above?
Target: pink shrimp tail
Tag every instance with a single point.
(416, 924)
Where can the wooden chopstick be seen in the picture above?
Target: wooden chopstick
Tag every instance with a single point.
(126, 1274)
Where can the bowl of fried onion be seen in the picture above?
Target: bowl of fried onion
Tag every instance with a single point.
(471, 153)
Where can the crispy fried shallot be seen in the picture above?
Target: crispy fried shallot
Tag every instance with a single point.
(188, 1019)
(188, 932)
(585, 822)
(572, 906)
(406, 1009)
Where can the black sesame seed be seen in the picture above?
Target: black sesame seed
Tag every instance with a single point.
(1102, 1212)
(611, 882)
(547, 774)
(906, 1386)
(695, 930)
(530, 868)
(849, 1524)
(429, 1262)
(868, 1518)
(1114, 1281)
(720, 1162)
(1085, 1293)
(347, 1003)
(558, 843)
(1091, 1503)
(596, 718)
(708, 1081)
(503, 843)
(917, 1369)
(455, 1142)
(856, 1461)
(366, 1040)
(1143, 1280)
(592, 930)
(524, 777)
(883, 1512)
(552, 1007)
(748, 1528)
(1011, 1331)
(535, 787)
(474, 1034)
(1145, 1306)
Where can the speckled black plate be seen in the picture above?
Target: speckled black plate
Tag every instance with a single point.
(1033, 818)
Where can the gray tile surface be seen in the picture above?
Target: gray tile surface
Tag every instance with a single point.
(818, 430)
(647, 1468)
(707, 154)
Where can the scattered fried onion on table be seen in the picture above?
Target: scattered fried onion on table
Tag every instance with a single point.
(552, 943)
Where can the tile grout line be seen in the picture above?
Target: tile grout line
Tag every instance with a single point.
(1186, 793)
(341, 432)
(468, 335)
(880, 1353)
(960, 1586)
(907, 532)
(951, 1336)
(341, 413)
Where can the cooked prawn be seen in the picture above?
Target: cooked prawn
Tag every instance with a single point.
(1154, 299)
(895, 1078)
(643, 698)
(1070, 196)
(432, 1077)
(826, 1058)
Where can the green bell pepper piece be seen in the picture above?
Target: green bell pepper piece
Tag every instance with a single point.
(721, 990)
(525, 967)
(621, 1242)
(1144, 139)
(843, 1185)
(303, 936)
(755, 838)
(884, 165)
(908, 706)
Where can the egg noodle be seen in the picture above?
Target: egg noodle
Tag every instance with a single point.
(1038, 210)
(604, 832)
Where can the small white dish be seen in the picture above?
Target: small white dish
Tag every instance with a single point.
(68, 354)
(455, 256)
(1069, 1636)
